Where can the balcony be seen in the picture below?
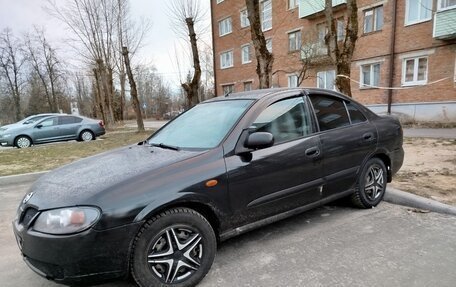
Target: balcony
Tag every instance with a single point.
(314, 8)
(445, 24)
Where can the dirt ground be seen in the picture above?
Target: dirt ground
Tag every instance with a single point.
(429, 169)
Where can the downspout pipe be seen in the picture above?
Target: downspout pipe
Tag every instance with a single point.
(392, 48)
(213, 48)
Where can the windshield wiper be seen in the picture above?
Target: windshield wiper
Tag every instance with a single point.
(165, 146)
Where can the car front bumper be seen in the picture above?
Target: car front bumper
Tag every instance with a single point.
(91, 256)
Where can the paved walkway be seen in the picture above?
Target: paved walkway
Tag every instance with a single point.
(430, 133)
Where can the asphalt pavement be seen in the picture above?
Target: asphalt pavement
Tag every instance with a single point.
(389, 245)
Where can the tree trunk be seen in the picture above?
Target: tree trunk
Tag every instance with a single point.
(192, 88)
(98, 97)
(264, 58)
(341, 52)
(133, 91)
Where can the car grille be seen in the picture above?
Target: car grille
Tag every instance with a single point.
(28, 216)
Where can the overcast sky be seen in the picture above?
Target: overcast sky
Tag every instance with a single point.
(22, 15)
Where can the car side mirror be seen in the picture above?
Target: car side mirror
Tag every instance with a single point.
(259, 140)
(39, 126)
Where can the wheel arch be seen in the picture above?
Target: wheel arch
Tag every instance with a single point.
(387, 162)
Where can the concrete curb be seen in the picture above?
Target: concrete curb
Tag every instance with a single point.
(399, 197)
(21, 178)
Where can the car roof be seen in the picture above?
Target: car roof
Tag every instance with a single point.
(272, 92)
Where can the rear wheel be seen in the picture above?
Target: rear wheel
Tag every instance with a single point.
(86, 136)
(174, 248)
(371, 184)
(23, 142)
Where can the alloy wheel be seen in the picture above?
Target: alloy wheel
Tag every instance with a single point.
(374, 183)
(176, 254)
(23, 142)
(87, 136)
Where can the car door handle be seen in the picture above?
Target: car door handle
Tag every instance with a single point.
(312, 152)
(368, 137)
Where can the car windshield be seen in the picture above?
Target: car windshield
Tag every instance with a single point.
(31, 120)
(202, 127)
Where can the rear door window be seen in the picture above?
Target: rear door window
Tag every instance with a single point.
(356, 116)
(331, 112)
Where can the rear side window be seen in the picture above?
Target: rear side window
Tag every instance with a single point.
(355, 115)
(331, 112)
(69, 120)
(286, 120)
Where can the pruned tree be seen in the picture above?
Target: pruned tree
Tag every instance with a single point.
(12, 68)
(186, 15)
(133, 90)
(264, 58)
(341, 50)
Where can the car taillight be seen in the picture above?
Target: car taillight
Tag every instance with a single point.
(101, 123)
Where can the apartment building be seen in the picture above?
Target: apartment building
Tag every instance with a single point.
(405, 53)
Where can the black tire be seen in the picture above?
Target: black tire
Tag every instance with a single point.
(23, 142)
(193, 248)
(371, 184)
(86, 136)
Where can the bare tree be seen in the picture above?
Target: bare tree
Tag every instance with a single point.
(186, 15)
(341, 50)
(47, 66)
(264, 58)
(12, 68)
(133, 90)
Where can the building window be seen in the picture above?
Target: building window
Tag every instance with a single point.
(226, 59)
(246, 54)
(325, 79)
(266, 15)
(228, 89)
(245, 22)
(446, 4)
(340, 29)
(417, 11)
(269, 45)
(292, 4)
(225, 26)
(292, 81)
(220, 1)
(247, 86)
(370, 75)
(414, 71)
(294, 41)
(373, 19)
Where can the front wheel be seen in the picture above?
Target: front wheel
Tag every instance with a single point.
(371, 184)
(23, 142)
(174, 248)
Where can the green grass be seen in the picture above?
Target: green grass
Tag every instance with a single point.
(50, 156)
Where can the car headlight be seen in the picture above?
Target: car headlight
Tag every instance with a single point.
(66, 220)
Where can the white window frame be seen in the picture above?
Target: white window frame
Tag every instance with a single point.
(362, 85)
(441, 2)
(415, 81)
(243, 60)
(292, 4)
(262, 17)
(219, 1)
(420, 6)
(297, 35)
(244, 18)
(269, 43)
(292, 80)
(374, 11)
(223, 59)
(319, 78)
(229, 26)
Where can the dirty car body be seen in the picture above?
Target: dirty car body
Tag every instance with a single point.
(280, 152)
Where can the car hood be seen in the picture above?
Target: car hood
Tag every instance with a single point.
(79, 182)
(13, 128)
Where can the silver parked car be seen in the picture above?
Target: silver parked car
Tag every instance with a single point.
(29, 120)
(51, 129)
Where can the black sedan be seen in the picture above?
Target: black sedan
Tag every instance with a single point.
(157, 210)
